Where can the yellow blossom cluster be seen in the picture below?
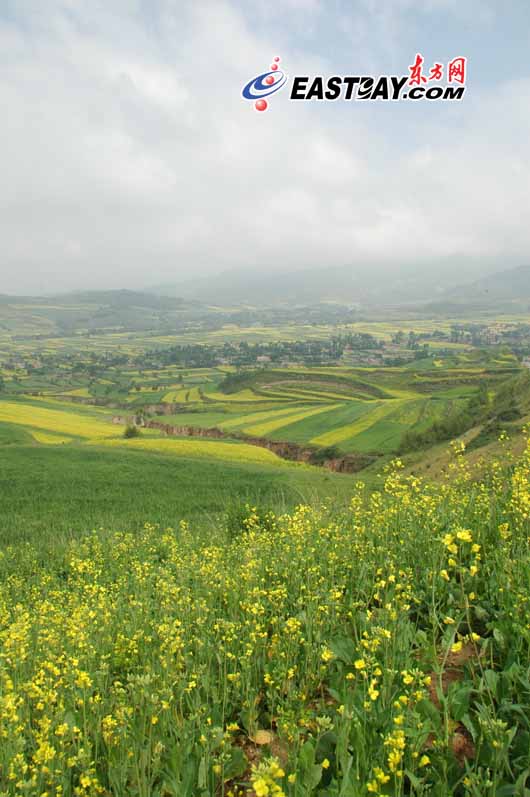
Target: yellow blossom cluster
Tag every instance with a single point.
(293, 658)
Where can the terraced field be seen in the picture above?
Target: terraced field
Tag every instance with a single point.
(55, 421)
(202, 449)
(62, 462)
(33, 326)
(62, 456)
(352, 409)
(362, 409)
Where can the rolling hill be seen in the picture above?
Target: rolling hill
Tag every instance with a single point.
(503, 291)
(367, 284)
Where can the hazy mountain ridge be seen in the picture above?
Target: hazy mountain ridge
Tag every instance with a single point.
(366, 285)
(107, 298)
(511, 284)
(81, 312)
(362, 287)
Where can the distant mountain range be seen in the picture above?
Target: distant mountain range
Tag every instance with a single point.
(437, 289)
(365, 286)
(513, 284)
(113, 298)
(82, 312)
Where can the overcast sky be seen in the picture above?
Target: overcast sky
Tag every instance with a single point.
(128, 157)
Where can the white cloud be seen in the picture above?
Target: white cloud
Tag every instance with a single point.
(128, 156)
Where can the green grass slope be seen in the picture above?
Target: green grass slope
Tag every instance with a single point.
(50, 490)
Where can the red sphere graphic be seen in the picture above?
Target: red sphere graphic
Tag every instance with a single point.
(269, 80)
(274, 67)
(260, 105)
(277, 58)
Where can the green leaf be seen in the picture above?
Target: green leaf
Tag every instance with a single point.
(201, 777)
(508, 790)
(492, 681)
(498, 636)
(313, 777)
(237, 764)
(429, 711)
(306, 757)
(468, 725)
(346, 787)
(481, 613)
(326, 745)
(520, 786)
(415, 781)
(311, 773)
(460, 701)
(344, 649)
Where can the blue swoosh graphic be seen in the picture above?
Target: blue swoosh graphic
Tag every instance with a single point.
(258, 84)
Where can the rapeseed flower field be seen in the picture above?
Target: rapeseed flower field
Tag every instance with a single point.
(267, 427)
(379, 650)
(48, 438)
(203, 449)
(55, 420)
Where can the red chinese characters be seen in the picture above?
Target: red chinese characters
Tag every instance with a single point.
(456, 70)
(436, 72)
(416, 78)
